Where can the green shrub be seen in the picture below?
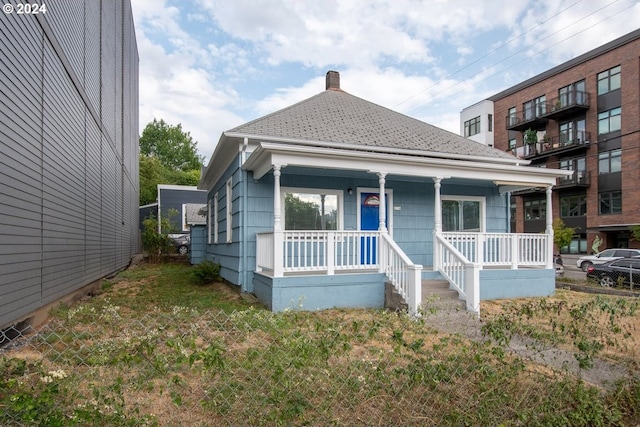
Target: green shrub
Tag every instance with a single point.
(205, 272)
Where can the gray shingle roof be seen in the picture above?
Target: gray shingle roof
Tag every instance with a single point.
(335, 116)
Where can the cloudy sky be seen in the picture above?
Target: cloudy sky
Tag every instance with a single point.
(214, 64)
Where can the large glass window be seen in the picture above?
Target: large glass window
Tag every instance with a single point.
(573, 206)
(610, 121)
(311, 209)
(609, 80)
(579, 165)
(610, 202)
(472, 127)
(535, 108)
(573, 132)
(462, 214)
(513, 118)
(571, 94)
(535, 210)
(610, 161)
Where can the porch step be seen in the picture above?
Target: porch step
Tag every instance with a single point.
(437, 289)
(435, 292)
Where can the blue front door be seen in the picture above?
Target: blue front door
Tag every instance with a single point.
(369, 220)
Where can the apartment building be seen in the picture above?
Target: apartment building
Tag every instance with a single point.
(68, 150)
(582, 115)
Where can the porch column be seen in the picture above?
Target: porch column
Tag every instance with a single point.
(382, 212)
(278, 238)
(437, 223)
(437, 211)
(276, 198)
(549, 230)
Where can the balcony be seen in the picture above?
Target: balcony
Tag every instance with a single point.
(553, 145)
(533, 118)
(578, 179)
(567, 105)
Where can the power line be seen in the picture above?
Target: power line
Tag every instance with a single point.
(546, 47)
(487, 54)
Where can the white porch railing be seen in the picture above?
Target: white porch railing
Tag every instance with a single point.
(307, 251)
(501, 249)
(457, 256)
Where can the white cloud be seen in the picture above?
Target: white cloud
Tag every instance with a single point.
(214, 64)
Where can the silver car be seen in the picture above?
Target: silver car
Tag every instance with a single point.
(607, 255)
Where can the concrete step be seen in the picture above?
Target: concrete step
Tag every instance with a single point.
(439, 289)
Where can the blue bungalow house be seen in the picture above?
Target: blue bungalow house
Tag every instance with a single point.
(322, 203)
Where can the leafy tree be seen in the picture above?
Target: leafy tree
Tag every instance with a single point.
(173, 147)
(157, 244)
(168, 155)
(635, 232)
(562, 235)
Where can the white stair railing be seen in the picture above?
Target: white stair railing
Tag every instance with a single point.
(404, 275)
(459, 271)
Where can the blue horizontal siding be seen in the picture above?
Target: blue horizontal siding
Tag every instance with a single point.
(522, 283)
(321, 292)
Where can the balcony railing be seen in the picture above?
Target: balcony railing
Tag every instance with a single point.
(533, 117)
(559, 143)
(567, 104)
(579, 178)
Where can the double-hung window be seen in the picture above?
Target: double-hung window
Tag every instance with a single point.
(463, 213)
(311, 209)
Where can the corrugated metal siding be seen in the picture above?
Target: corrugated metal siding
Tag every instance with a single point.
(20, 167)
(174, 199)
(68, 190)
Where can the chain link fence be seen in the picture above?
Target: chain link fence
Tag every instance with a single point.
(103, 364)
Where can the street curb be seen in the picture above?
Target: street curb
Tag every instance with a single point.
(596, 290)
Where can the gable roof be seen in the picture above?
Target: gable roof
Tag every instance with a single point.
(337, 117)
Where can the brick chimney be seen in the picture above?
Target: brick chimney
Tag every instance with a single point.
(333, 80)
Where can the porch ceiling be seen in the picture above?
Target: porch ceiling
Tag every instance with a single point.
(268, 154)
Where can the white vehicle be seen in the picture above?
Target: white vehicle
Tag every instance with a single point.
(584, 262)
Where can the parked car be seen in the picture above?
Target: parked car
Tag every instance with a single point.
(607, 255)
(182, 243)
(622, 271)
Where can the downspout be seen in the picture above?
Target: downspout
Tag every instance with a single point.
(244, 229)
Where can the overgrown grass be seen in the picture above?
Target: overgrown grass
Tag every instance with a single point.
(154, 349)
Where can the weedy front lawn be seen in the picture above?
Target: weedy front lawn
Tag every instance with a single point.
(154, 349)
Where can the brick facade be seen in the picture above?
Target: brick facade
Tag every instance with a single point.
(613, 228)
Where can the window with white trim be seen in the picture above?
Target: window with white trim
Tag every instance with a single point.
(311, 209)
(229, 210)
(215, 218)
(209, 221)
(463, 213)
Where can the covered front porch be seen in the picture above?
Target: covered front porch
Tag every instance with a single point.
(463, 259)
(477, 264)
